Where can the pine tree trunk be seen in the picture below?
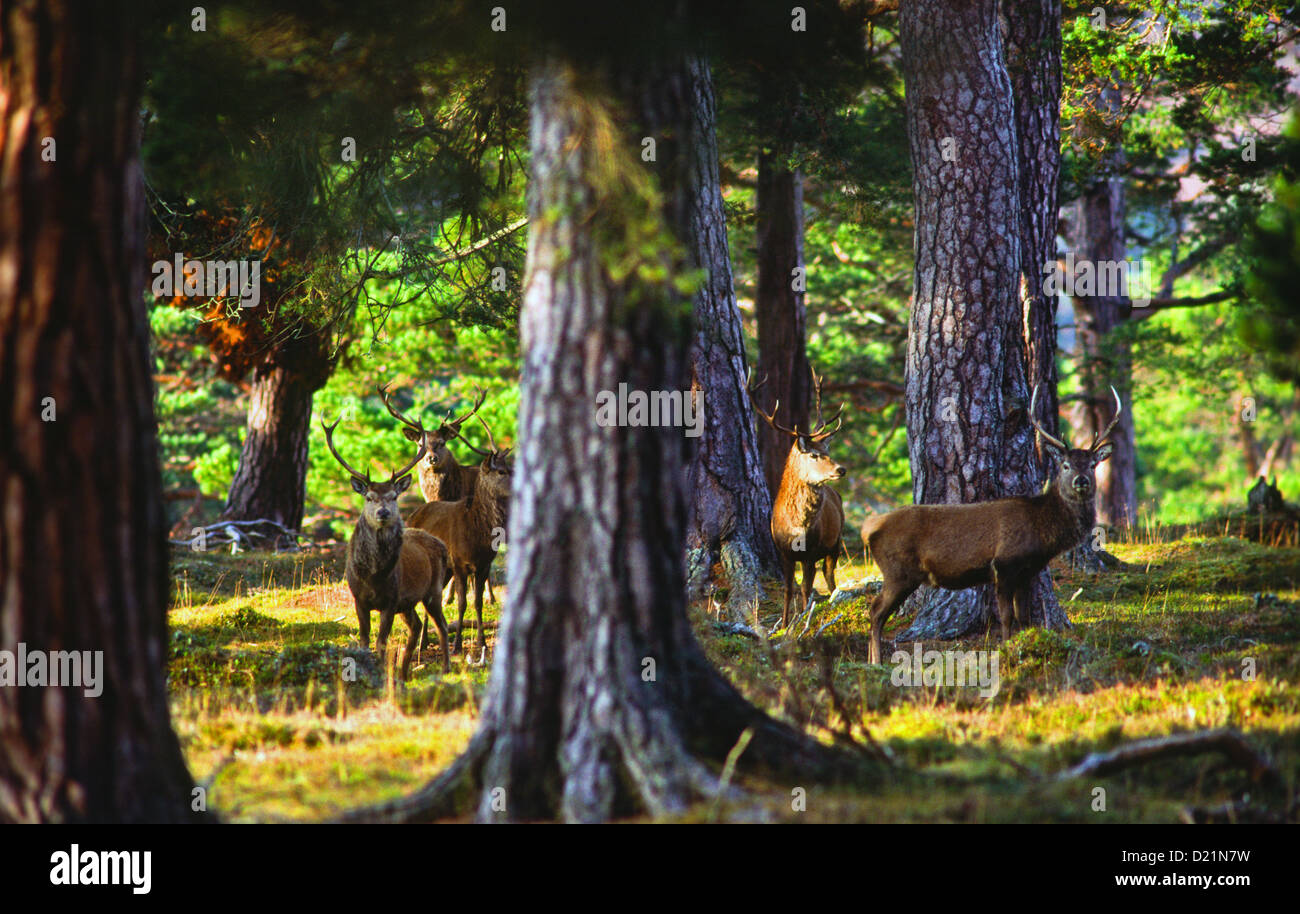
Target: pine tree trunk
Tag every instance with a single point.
(1033, 41)
(1104, 357)
(601, 701)
(731, 505)
(779, 308)
(271, 481)
(83, 560)
(966, 308)
(1032, 33)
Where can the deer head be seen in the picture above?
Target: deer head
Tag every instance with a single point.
(380, 509)
(1076, 467)
(1264, 496)
(496, 470)
(808, 458)
(434, 442)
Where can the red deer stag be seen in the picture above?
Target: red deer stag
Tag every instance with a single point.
(807, 514)
(442, 477)
(390, 568)
(472, 528)
(1005, 542)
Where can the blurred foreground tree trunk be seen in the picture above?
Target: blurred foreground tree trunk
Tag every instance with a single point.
(83, 552)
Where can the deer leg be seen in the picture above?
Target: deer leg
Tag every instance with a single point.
(412, 638)
(1022, 605)
(386, 617)
(461, 586)
(491, 595)
(891, 596)
(1006, 594)
(828, 568)
(788, 568)
(809, 574)
(480, 579)
(440, 621)
(363, 623)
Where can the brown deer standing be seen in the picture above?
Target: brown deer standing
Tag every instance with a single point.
(807, 514)
(473, 529)
(1005, 542)
(442, 476)
(390, 569)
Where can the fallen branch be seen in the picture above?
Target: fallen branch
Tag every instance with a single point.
(242, 535)
(1228, 742)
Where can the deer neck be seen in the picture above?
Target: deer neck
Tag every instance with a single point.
(1076, 519)
(440, 485)
(799, 500)
(488, 512)
(375, 549)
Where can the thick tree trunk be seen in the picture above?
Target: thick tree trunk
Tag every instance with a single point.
(601, 702)
(1104, 357)
(1033, 42)
(782, 365)
(83, 560)
(966, 393)
(271, 481)
(1032, 35)
(731, 505)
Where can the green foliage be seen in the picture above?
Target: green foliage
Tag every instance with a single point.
(1273, 324)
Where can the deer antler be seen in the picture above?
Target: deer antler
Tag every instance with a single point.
(465, 441)
(418, 455)
(456, 422)
(750, 387)
(329, 441)
(1033, 401)
(820, 433)
(491, 441)
(1098, 440)
(388, 404)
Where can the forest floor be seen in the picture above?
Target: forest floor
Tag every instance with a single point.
(1193, 635)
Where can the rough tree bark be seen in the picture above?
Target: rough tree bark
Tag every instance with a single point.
(601, 702)
(1032, 39)
(782, 364)
(731, 504)
(1033, 44)
(969, 437)
(1104, 357)
(83, 560)
(271, 481)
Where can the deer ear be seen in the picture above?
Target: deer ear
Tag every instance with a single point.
(359, 485)
(411, 433)
(402, 484)
(1102, 453)
(1052, 451)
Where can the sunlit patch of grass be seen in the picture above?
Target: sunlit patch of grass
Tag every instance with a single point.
(1193, 635)
(283, 712)
(306, 765)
